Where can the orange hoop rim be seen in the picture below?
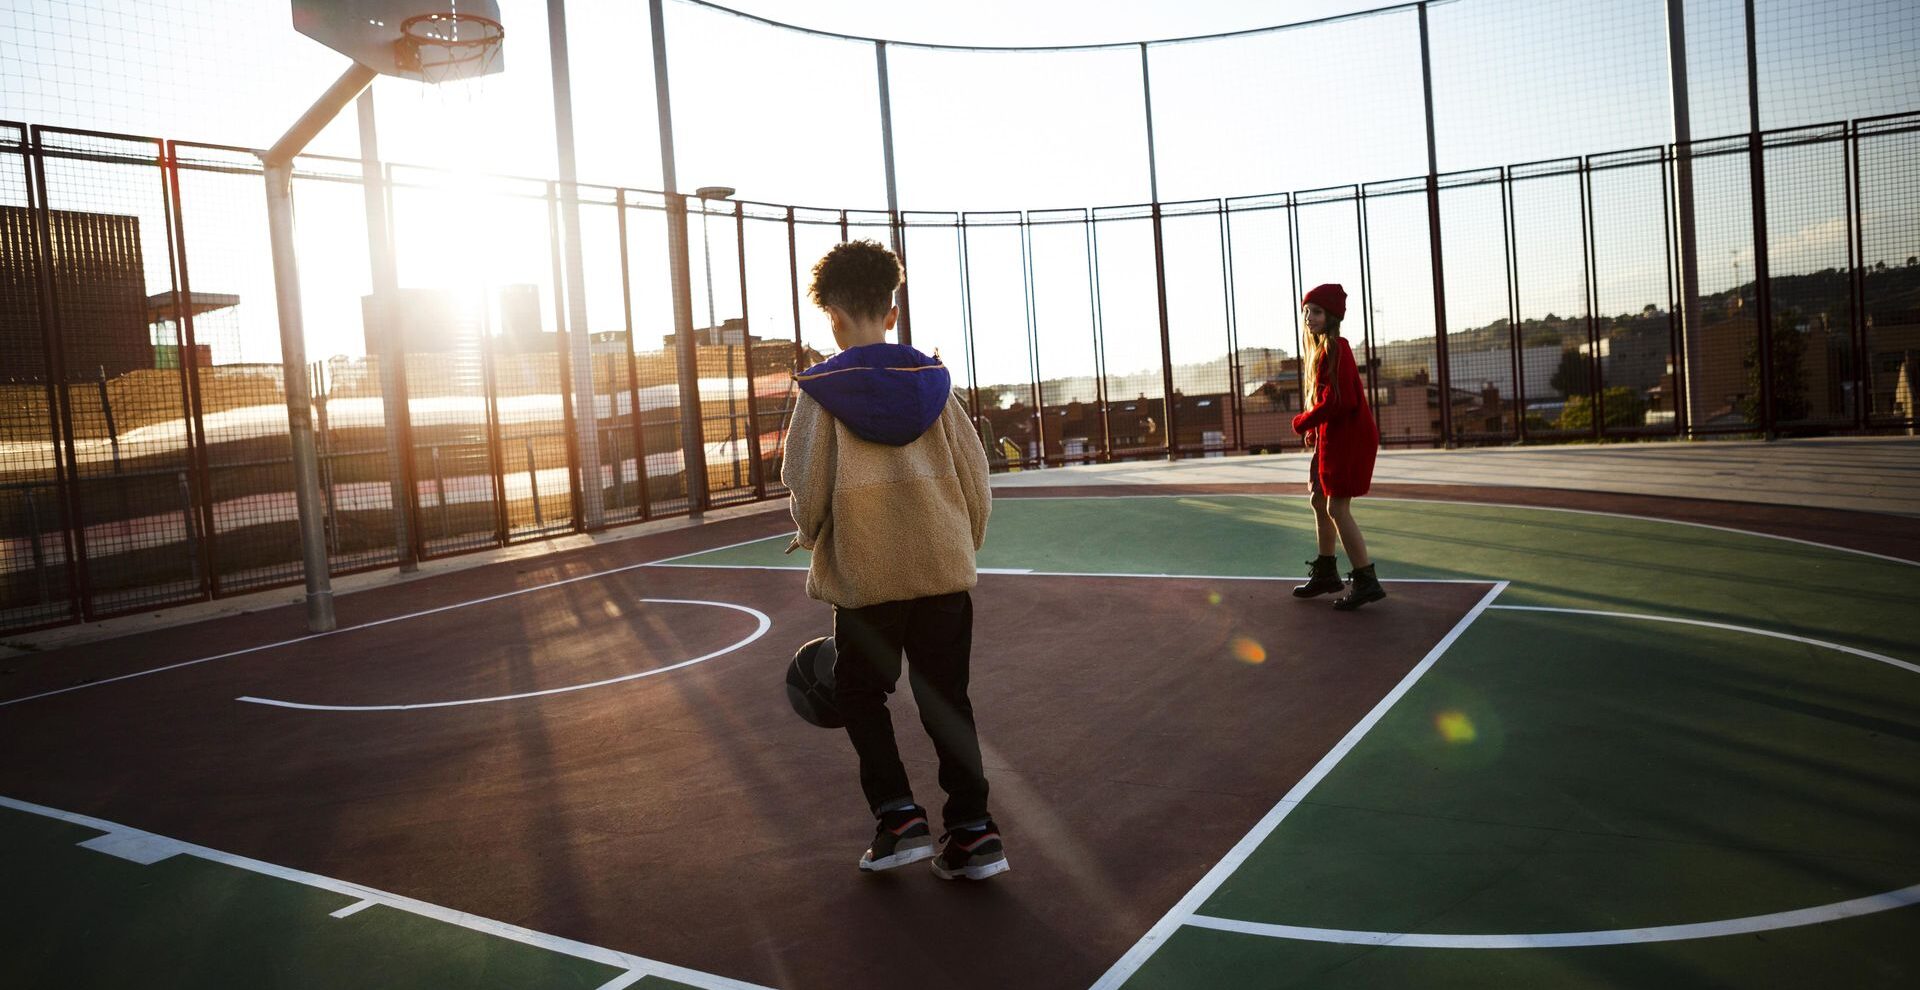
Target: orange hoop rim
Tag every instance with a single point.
(415, 36)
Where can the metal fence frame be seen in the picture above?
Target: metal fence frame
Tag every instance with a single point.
(72, 569)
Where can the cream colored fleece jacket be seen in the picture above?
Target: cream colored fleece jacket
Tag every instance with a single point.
(886, 523)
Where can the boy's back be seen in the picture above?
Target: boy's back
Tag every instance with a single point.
(889, 486)
(886, 520)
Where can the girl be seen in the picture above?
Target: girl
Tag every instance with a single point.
(1339, 427)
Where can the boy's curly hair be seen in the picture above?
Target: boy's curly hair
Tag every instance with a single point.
(859, 277)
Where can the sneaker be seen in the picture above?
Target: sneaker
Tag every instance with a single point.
(901, 837)
(972, 853)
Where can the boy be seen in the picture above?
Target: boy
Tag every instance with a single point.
(890, 494)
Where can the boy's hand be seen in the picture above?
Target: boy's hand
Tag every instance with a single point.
(794, 544)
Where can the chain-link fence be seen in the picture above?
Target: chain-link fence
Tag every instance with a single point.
(1530, 255)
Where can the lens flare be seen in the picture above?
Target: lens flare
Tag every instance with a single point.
(1247, 651)
(1455, 727)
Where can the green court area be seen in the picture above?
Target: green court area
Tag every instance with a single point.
(1663, 755)
(80, 918)
(1655, 725)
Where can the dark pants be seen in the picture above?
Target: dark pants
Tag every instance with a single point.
(937, 634)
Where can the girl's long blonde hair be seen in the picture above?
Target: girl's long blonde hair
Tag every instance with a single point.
(1318, 345)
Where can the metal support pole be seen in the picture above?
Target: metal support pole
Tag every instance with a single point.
(1433, 234)
(386, 335)
(579, 336)
(692, 433)
(894, 226)
(293, 362)
(1685, 363)
(1762, 282)
(278, 169)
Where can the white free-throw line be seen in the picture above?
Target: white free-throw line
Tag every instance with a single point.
(444, 915)
(1183, 911)
(1556, 940)
(1808, 640)
(765, 623)
(377, 622)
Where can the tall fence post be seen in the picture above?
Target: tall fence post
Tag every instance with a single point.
(1762, 271)
(905, 326)
(184, 312)
(1433, 232)
(756, 472)
(1690, 331)
(635, 422)
(66, 475)
(692, 428)
(385, 333)
(579, 336)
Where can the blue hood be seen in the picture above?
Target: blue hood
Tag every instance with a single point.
(886, 393)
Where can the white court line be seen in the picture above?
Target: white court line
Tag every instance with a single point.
(1808, 640)
(445, 915)
(376, 622)
(623, 981)
(1029, 572)
(1556, 940)
(1491, 505)
(761, 617)
(1185, 909)
(352, 909)
(1817, 914)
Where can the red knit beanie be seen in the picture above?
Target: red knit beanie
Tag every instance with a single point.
(1330, 297)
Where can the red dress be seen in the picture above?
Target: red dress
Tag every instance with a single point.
(1345, 436)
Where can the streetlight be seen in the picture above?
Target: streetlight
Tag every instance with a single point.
(706, 248)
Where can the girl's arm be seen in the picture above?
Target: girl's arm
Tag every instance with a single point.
(1346, 399)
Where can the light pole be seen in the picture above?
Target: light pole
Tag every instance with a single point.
(706, 248)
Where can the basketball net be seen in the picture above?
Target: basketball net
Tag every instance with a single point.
(447, 46)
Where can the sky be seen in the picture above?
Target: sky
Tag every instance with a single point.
(793, 119)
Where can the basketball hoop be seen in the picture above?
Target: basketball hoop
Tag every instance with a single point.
(440, 46)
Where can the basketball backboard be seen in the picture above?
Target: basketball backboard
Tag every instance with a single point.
(430, 40)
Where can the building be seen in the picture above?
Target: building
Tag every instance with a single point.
(97, 274)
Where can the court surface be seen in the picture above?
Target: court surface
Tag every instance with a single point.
(1589, 741)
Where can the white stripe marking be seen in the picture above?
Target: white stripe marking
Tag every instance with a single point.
(136, 847)
(1183, 911)
(623, 981)
(1555, 940)
(445, 915)
(1808, 640)
(765, 624)
(352, 909)
(1494, 505)
(1029, 572)
(1619, 936)
(377, 622)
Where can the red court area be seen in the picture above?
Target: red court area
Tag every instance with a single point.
(1134, 729)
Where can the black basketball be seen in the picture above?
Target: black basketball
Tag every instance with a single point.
(810, 684)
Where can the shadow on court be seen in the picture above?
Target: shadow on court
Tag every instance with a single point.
(1134, 730)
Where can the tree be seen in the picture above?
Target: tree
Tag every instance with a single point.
(1789, 381)
(1625, 408)
(1573, 376)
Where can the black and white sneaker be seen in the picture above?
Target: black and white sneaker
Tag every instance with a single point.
(900, 838)
(971, 853)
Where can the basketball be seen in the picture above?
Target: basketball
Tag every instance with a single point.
(810, 684)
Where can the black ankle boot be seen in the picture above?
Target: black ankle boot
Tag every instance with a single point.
(1322, 577)
(1366, 588)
